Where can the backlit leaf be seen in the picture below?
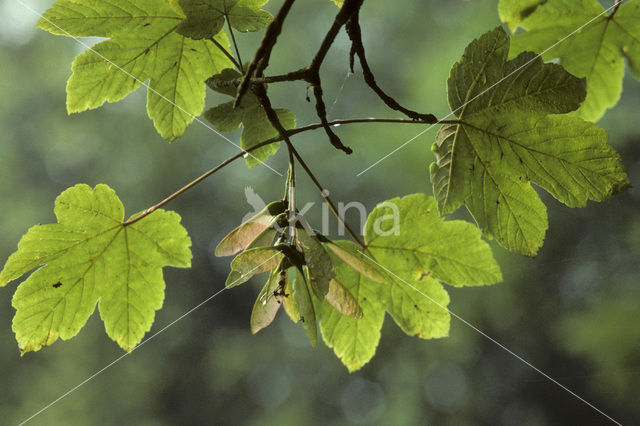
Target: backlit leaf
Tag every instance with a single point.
(411, 247)
(588, 42)
(513, 12)
(91, 257)
(506, 139)
(450, 251)
(256, 127)
(143, 46)
(205, 18)
(353, 340)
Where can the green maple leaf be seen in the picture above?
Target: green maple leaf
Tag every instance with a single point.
(508, 134)
(408, 236)
(415, 250)
(205, 18)
(353, 340)
(256, 127)
(91, 257)
(143, 45)
(513, 12)
(595, 51)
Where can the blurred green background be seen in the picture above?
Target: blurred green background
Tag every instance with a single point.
(573, 311)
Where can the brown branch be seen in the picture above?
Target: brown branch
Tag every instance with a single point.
(348, 9)
(349, 16)
(357, 49)
(261, 93)
(311, 74)
(296, 75)
(321, 111)
(262, 55)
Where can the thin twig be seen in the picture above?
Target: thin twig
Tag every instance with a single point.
(301, 74)
(325, 196)
(289, 132)
(258, 64)
(321, 112)
(357, 48)
(291, 195)
(348, 9)
(314, 126)
(226, 52)
(616, 5)
(196, 181)
(235, 45)
(296, 75)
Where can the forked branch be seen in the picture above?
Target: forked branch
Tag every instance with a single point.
(261, 58)
(357, 49)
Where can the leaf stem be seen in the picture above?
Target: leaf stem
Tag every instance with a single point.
(196, 181)
(291, 195)
(226, 53)
(289, 132)
(235, 45)
(315, 126)
(325, 196)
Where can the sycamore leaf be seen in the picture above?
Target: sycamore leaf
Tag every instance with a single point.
(418, 248)
(412, 249)
(354, 258)
(595, 51)
(256, 127)
(304, 304)
(505, 139)
(205, 18)
(258, 227)
(353, 340)
(513, 12)
(91, 257)
(417, 306)
(143, 45)
(407, 236)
